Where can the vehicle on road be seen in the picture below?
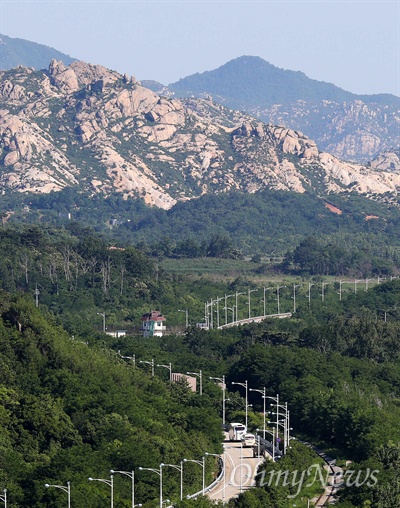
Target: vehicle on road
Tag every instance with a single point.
(248, 440)
(236, 431)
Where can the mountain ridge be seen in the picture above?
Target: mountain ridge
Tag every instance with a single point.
(350, 126)
(15, 51)
(84, 125)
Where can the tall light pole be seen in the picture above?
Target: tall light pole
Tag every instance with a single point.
(169, 367)
(222, 381)
(264, 399)
(276, 400)
(323, 292)
(200, 376)
(340, 289)
(151, 363)
(159, 472)
(294, 296)
(109, 482)
(217, 301)
(131, 475)
(277, 297)
(249, 293)
(245, 386)
(186, 316)
(65, 488)
(226, 308)
(4, 498)
(355, 284)
(271, 433)
(285, 424)
(309, 293)
(233, 313)
(179, 468)
(203, 464)
(265, 289)
(104, 320)
(236, 304)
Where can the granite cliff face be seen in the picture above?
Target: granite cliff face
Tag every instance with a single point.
(87, 126)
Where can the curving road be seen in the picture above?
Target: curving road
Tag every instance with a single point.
(240, 471)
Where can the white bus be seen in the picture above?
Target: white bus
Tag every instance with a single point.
(236, 431)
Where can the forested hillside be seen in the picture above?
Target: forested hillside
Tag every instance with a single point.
(70, 408)
(267, 223)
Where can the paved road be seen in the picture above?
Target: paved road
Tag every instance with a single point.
(241, 469)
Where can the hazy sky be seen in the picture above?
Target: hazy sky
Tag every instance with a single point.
(355, 45)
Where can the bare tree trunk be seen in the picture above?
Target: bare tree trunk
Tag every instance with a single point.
(24, 261)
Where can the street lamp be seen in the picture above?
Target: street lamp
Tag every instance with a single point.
(265, 289)
(227, 308)
(294, 296)
(249, 295)
(233, 313)
(355, 284)
(186, 316)
(285, 425)
(236, 304)
(264, 398)
(222, 381)
(149, 363)
(277, 297)
(200, 376)
(109, 482)
(323, 293)
(104, 320)
(131, 475)
(340, 288)
(276, 400)
(200, 463)
(133, 358)
(217, 302)
(309, 293)
(4, 498)
(179, 468)
(159, 472)
(169, 367)
(66, 489)
(245, 386)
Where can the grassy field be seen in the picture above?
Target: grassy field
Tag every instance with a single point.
(202, 266)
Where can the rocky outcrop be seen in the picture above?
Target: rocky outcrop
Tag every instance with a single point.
(88, 126)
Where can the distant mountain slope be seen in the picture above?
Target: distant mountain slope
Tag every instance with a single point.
(105, 133)
(251, 82)
(14, 52)
(352, 127)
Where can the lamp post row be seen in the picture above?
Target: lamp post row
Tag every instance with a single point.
(131, 474)
(286, 440)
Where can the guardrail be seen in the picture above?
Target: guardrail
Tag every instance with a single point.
(213, 484)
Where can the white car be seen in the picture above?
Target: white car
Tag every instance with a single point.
(248, 440)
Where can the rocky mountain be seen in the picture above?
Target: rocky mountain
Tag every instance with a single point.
(89, 127)
(351, 127)
(14, 52)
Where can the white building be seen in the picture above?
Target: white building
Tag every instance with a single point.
(152, 324)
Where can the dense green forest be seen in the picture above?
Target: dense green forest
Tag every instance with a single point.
(72, 408)
(267, 224)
